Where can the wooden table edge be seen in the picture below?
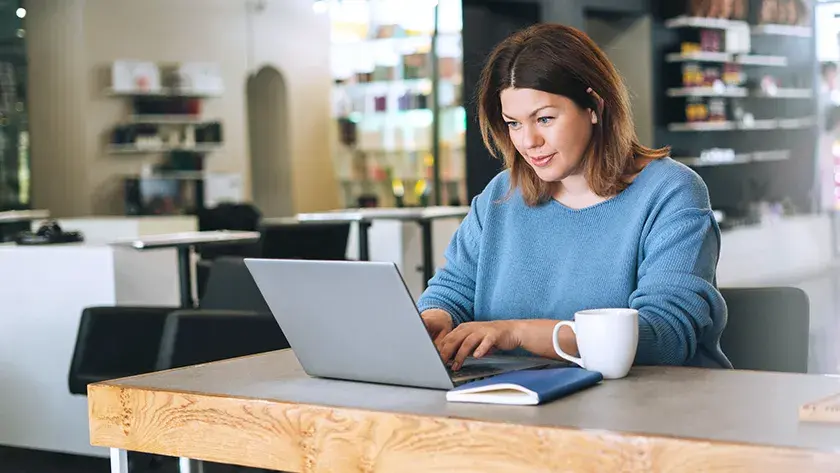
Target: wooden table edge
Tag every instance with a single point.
(289, 436)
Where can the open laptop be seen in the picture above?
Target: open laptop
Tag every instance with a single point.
(357, 321)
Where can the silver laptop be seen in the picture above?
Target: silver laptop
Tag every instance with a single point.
(357, 321)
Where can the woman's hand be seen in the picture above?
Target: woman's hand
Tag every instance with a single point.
(438, 323)
(477, 339)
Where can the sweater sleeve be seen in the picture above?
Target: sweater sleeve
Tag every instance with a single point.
(676, 295)
(452, 288)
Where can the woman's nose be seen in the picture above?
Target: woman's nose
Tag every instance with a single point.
(531, 138)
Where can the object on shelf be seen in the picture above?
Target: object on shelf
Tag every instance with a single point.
(416, 66)
(711, 40)
(148, 78)
(691, 75)
(717, 110)
(130, 76)
(733, 75)
(696, 110)
(726, 9)
(785, 12)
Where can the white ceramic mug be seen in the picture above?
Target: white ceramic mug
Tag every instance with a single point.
(606, 339)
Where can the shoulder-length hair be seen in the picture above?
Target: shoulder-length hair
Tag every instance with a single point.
(564, 61)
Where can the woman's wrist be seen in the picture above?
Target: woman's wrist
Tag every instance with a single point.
(535, 336)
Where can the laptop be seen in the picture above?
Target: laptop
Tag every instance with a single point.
(357, 321)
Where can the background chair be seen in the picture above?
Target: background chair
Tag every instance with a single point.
(191, 337)
(767, 329)
(114, 342)
(319, 241)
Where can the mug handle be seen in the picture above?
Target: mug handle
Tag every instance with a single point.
(556, 343)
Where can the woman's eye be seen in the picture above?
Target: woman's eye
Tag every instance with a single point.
(544, 120)
(512, 125)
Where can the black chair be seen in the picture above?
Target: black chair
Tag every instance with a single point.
(120, 341)
(767, 329)
(310, 240)
(191, 337)
(114, 342)
(225, 216)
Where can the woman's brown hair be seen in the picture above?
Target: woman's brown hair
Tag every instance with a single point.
(564, 61)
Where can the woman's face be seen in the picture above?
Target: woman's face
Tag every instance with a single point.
(550, 131)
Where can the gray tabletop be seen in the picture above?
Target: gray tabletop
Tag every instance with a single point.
(13, 216)
(745, 407)
(384, 213)
(173, 240)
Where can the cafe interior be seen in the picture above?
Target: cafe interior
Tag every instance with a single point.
(155, 144)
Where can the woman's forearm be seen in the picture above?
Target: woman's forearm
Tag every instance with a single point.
(535, 336)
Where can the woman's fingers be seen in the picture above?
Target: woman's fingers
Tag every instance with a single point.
(452, 342)
(466, 349)
(485, 347)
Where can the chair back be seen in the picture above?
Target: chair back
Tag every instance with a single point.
(767, 329)
(312, 241)
(113, 342)
(230, 286)
(191, 337)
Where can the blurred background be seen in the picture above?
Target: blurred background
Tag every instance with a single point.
(125, 121)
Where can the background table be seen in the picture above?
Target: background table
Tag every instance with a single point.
(185, 242)
(364, 218)
(14, 221)
(263, 411)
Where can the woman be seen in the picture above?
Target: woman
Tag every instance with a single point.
(584, 216)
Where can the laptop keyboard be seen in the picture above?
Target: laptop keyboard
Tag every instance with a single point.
(477, 369)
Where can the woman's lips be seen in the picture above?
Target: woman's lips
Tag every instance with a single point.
(542, 161)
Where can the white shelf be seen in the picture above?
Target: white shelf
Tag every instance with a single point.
(702, 126)
(757, 125)
(783, 30)
(759, 156)
(167, 119)
(744, 59)
(780, 155)
(707, 92)
(786, 93)
(167, 92)
(134, 149)
(704, 22)
(796, 123)
(698, 162)
(701, 56)
(761, 60)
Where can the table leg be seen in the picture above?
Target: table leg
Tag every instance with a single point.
(185, 276)
(119, 460)
(187, 465)
(428, 260)
(364, 246)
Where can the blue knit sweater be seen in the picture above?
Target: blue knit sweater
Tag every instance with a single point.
(654, 248)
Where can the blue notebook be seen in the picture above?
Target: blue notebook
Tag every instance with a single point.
(527, 387)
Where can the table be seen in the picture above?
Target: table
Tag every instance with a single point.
(263, 411)
(184, 243)
(19, 220)
(14, 216)
(364, 218)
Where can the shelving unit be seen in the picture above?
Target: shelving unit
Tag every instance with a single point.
(398, 107)
(748, 84)
(165, 103)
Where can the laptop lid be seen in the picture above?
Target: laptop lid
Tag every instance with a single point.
(352, 320)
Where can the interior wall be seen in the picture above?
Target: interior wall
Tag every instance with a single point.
(627, 42)
(71, 44)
